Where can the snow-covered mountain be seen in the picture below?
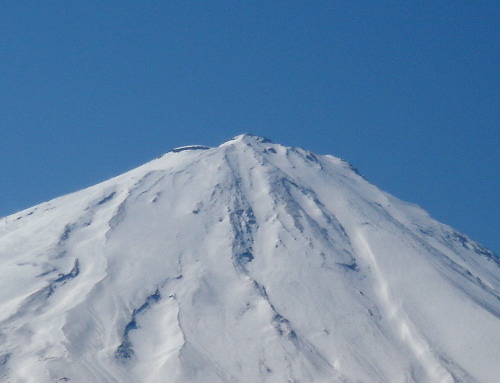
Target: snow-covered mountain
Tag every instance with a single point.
(248, 262)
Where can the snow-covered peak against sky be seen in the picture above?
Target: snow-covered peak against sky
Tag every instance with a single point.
(245, 138)
(249, 137)
(245, 262)
(405, 91)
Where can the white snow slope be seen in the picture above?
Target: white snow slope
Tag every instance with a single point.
(248, 262)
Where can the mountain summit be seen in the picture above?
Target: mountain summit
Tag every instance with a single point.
(247, 262)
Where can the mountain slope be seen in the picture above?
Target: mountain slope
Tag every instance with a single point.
(249, 262)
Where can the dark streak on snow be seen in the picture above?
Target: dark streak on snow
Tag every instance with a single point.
(51, 270)
(281, 324)
(243, 223)
(352, 168)
(458, 373)
(62, 278)
(301, 217)
(151, 186)
(75, 271)
(472, 245)
(192, 147)
(38, 298)
(295, 210)
(352, 266)
(125, 350)
(262, 140)
(61, 254)
(70, 227)
(156, 197)
(106, 199)
(269, 150)
(133, 192)
(284, 328)
(67, 231)
(4, 359)
(451, 240)
(118, 216)
(440, 259)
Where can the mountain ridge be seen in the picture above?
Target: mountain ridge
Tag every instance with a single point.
(248, 262)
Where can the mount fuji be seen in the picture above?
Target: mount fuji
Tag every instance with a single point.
(247, 262)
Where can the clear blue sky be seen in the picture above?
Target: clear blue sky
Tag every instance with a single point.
(407, 91)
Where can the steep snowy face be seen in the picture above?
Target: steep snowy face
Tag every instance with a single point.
(248, 262)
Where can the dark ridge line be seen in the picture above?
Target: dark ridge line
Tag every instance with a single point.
(4, 359)
(278, 320)
(295, 210)
(438, 256)
(269, 150)
(75, 271)
(152, 186)
(470, 244)
(353, 169)
(120, 210)
(353, 266)
(67, 231)
(62, 278)
(260, 139)
(106, 199)
(243, 223)
(47, 272)
(191, 147)
(283, 327)
(125, 350)
(70, 227)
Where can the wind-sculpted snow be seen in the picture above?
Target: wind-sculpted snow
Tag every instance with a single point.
(248, 262)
